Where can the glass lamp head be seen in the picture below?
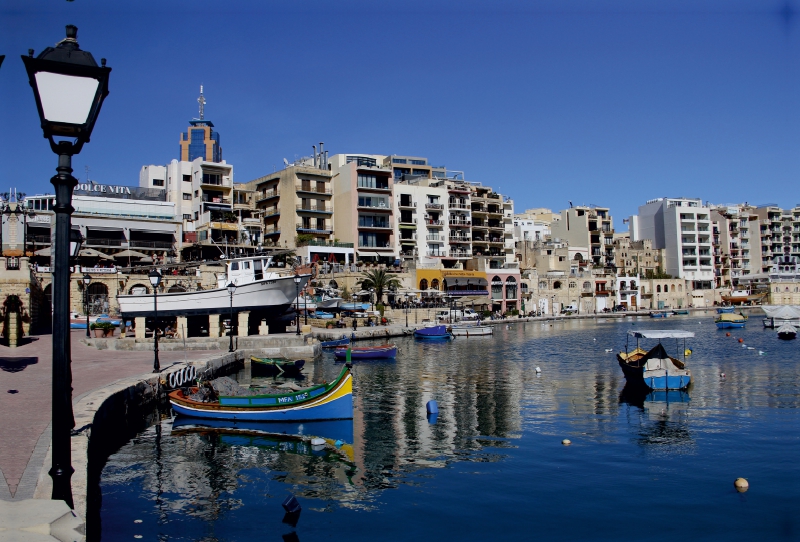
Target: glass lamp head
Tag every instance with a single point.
(155, 278)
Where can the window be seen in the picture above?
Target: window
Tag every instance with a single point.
(416, 162)
(195, 215)
(212, 178)
(399, 161)
(234, 266)
(158, 182)
(187, 178)
(187, 197)
(187, 216)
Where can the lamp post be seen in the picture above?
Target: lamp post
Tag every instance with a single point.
(406, 311)
(155, 280)
(231, 290)
(305, 307)
(371, 303)
(297, 280)
(69, 88)
(86, 280)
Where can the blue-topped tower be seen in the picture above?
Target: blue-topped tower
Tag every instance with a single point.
(201, 141)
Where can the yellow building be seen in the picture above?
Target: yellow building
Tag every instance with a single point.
(453, 282)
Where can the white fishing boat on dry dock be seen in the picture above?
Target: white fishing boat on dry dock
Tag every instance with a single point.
(258, 288)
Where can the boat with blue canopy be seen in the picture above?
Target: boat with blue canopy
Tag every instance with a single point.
(656, 369)
(727, 320)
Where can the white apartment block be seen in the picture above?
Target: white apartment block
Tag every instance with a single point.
(681, 226)
(737, 243)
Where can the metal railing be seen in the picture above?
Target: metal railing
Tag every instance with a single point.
(314, 209)
(102, 242)
(313, 189)
(139, 243)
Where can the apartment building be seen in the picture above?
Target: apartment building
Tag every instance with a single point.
(683, 228)
(365, 211)
(637, 257)
(737, 243)
(590, 227)
(492, 226)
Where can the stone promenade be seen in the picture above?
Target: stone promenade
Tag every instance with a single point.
(25, 388)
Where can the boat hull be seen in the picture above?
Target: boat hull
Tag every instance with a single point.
(727, 325)
(788, 336)
(335, 403)
(270, 294)
(433, 333)
(335, 344)
(472, 331)
(367, 352)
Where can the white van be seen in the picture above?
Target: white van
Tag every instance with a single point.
(570, 309)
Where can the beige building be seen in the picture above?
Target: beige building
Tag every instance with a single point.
(637, 257)
(590, 227)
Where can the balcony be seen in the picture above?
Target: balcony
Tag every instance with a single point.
(313, 189)
(479, 209)
(458, 206)
(96, 241)
(314, 209)
(373, 187)
(267, 195)
(434, 223)
(138, 243)
(460, 223)
(434, 238)
(408, 240)
(316, 243)
(386, 246)
(459, 238)
(38, 239)
(408, 204)
(308, 228)
(374, 225)
(268, 213)
(434, 206)
(460, 254)
(479, 226)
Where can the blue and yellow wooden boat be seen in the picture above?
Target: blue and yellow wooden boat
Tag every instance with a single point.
(332, 401)
(655, 369)
(728, 320)
(336, 343)
(433, 333)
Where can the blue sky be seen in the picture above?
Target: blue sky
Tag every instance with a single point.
(598, 102)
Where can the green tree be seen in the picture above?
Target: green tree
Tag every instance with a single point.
(379, 280)
(303, 239)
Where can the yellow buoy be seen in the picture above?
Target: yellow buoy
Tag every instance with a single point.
(687, 352)
(741, 485)
(566, 442)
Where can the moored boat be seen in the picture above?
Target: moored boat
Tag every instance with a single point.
(353, 307)
(680, 311)
(471, 331)
(727, 320)
(331, 401)
(344, 341)
(656, 369)
(258, 288)
(384, 351)
(725, 310)
(659, 314)
(787, 332)
(270, 366)
(433, 333)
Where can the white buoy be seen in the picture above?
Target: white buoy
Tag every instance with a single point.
(594, 339)
(316, 441)
(761, 352)
(538, 370)
(722, 375)
(609, 350)
(566, 442)
(741, 485)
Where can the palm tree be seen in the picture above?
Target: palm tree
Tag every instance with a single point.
(379, 280)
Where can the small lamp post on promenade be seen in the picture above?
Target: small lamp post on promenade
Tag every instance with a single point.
(86, 280)
(297, 280)
(155, 280)
(407, 309)
(69, 88)
(371, 299)
(231, 290)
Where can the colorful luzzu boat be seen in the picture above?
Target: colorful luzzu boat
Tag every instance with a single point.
(433, 333)
(332, 401)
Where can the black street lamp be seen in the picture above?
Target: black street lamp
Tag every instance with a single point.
(231, 290)
(155, 280)
(407, 309)
(69, 88)
(86, 280)
(371, 302)
(297, 280)
(305, 307)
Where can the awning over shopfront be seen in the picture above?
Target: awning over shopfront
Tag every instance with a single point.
(451, 282)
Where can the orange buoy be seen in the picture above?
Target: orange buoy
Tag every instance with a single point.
(741, 340)
(728, 334)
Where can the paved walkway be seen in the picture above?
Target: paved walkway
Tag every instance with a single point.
(25, 390)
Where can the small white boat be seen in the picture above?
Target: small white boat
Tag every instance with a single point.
(304, 303)
(471, 330)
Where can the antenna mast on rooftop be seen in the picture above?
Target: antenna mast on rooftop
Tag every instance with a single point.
(202, 101)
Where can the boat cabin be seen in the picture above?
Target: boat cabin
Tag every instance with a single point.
(246, 270)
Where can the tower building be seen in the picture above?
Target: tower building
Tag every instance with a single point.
(200, 140)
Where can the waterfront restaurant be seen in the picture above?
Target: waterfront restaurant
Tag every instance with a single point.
(466, 286)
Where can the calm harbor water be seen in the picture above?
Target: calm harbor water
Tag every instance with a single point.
(493, 466)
